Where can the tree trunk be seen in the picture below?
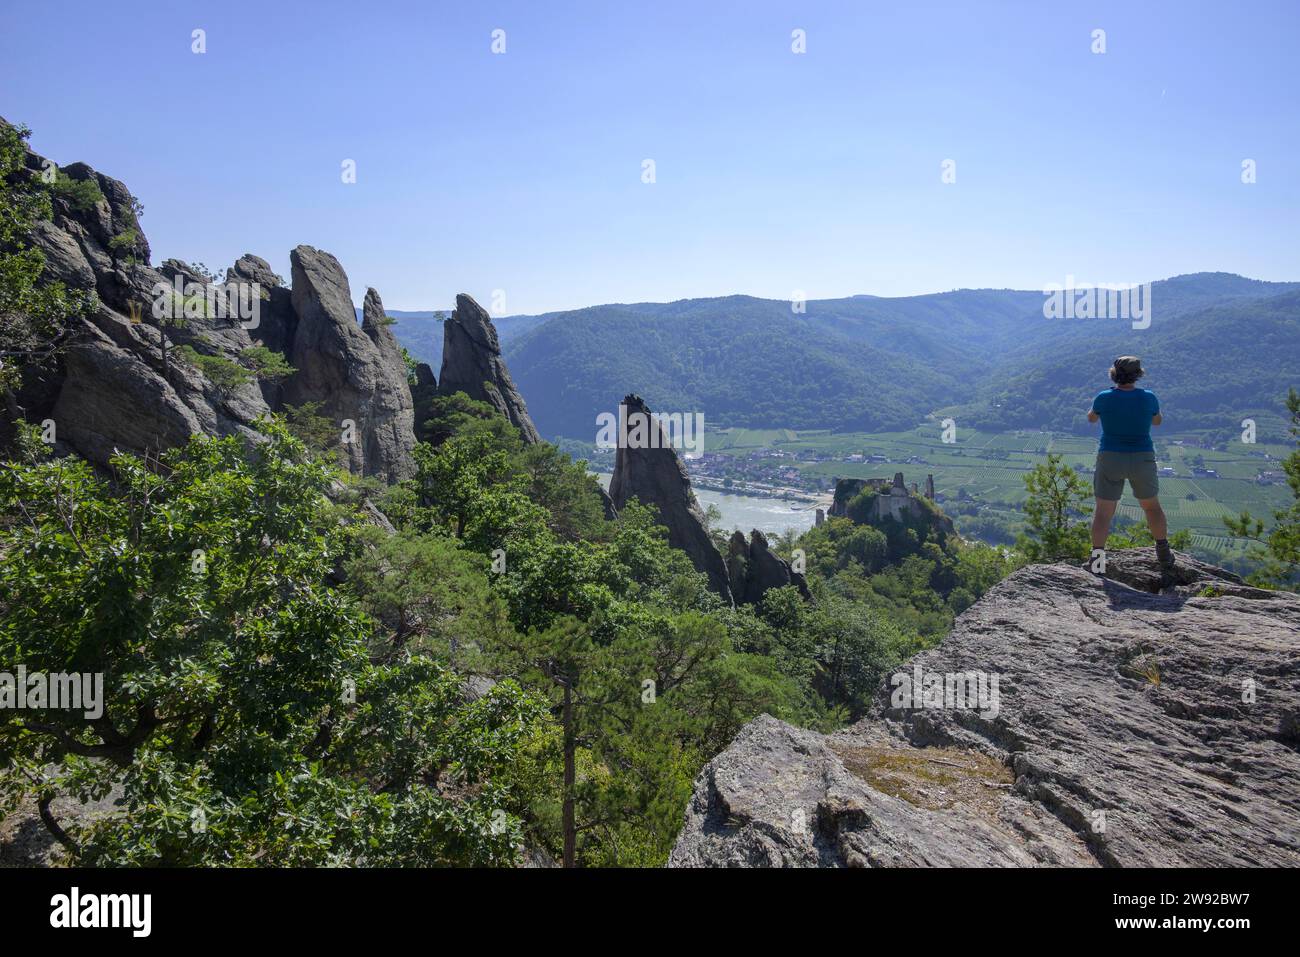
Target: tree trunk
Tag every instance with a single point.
(51, 825)
(570, 779)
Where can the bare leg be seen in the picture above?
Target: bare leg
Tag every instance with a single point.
(1101, 517)
(1155, 518)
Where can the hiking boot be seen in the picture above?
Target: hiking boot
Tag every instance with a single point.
(1164, 554)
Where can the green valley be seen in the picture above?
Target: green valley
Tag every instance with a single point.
(979, 478)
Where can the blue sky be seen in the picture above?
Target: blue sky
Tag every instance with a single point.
(775, 172)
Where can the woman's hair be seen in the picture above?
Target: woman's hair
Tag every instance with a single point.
(1126, 370)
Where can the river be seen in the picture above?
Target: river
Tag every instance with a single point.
(771, 516)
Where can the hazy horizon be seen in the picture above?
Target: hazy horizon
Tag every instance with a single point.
(409, 313)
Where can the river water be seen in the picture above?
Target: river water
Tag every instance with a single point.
(771, 516)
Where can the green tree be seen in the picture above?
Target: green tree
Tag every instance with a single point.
(855, 647)
(316, 432)
(1279, 548)
(868, 547)
(265, 365)
(1059, 501)
(34, 315)
(225, 374)
(244, 717)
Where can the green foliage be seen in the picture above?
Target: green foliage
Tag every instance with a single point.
(609, 673)
(1059, 501)
(1138, 535)
(446, 414)
(873, 607)
(82, 195)
(407, 359)
(1279, 551)
(29, 446)
(225, 374)
(315, 431)
(429, 593)
(34, 315)
(265, 365)
(604, 621)
(124, 241)
(240, 691)
(257, 362)
(859, 508)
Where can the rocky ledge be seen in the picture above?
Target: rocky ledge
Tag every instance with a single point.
(1141, 719)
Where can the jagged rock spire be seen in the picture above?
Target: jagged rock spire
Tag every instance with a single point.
(753, 569)
(356, 375)
(656, 477)
(472, 363)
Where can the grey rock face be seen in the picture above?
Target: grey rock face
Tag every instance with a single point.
(656, 477)
(112, 388)
(753, 569)
(472, 363)
(423, 393)
(346, 371)
(276, 322)
(117, 393)
(1141, 720)
(607, 503)
(112, 401)
(395, 435)
(64, 259)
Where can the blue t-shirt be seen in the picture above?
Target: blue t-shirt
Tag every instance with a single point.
(1126, 419)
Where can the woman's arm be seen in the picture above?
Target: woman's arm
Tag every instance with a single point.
(1157, 419)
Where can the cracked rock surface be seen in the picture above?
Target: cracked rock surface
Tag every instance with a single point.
(1143, 719)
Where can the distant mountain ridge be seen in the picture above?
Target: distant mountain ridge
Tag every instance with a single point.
(1219, 345)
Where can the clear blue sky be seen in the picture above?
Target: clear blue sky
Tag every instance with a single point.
(775, 171)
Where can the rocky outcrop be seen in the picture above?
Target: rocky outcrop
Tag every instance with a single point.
(119, 384)
(472, 363)
(112, 387)
(346, 371)
(752, 569)
(607, 503)
(846, 490)
(1140, 719)
(889, 500)
(651, 472)
(423, 393)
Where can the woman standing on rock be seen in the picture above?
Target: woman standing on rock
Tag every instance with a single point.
(1126, 453)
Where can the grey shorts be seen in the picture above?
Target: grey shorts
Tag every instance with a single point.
(1139, 468)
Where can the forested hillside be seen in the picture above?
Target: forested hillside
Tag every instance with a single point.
(988, 357)
(1211, 367)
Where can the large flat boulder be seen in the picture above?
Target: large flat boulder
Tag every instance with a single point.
(1141, 719)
